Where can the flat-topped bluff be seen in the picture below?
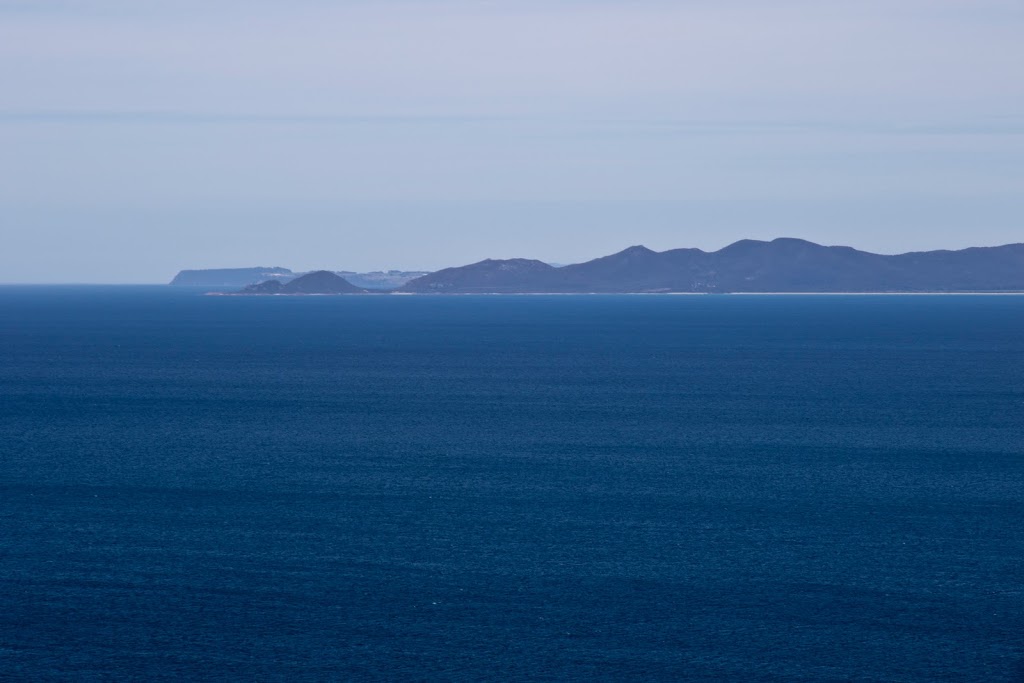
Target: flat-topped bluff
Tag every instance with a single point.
(782, 265)
(230, 277)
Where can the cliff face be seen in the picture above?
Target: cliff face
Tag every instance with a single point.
(230, 277)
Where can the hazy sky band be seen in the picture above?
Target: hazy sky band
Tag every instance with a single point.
(1000, 126)
(245, 122)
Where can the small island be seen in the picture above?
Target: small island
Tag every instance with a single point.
(317, 282)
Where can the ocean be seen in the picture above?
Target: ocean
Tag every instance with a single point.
(469, 488)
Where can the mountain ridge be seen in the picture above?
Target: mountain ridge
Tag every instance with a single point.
(785, 265)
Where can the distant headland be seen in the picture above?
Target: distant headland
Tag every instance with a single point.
(783, 265)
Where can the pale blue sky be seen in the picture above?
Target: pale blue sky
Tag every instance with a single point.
(140, 137)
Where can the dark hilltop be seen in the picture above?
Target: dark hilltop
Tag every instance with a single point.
(317, 282)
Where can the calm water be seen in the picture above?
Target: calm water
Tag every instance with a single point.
(507, 488)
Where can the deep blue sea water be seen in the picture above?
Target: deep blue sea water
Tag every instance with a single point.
(738, 488)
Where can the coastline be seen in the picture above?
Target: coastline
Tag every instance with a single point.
(957, 293)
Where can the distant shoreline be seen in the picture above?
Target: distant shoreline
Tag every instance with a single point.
(782, 266)
(457, 294)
